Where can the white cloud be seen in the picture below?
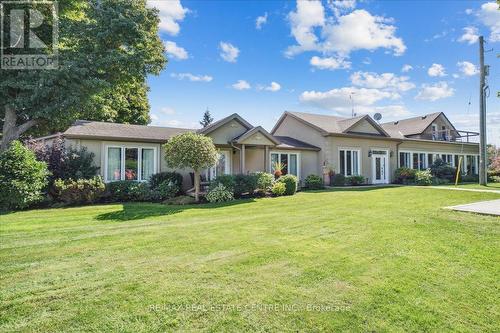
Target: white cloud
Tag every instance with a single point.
(171, 12)
(260, 21)
(192, 77)
(467, 68)
(309, 14)
(433, 92)
(274, 86)
(167, 111)
(339, 99)
(385, 81)
(340, 34)
(175, 51)
(470, 35)
(406, 68)
(470, 122)
(329, 63)
(436, 70)
(241, 85)
(341, 6)
(468, 11)
(489, 15)
(229, 52)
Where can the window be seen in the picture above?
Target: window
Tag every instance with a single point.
(130, 163)
(222, 167)
(434, 132)
(289, 161)
(419, 161)
(472, 165)
(349, 161)
(404, 160)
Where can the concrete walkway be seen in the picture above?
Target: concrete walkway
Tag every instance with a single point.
(460, 189)
(491, 207)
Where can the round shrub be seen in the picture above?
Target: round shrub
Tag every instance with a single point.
(290, 182)
(264, 181)
(164, 190)
(278, 189)
(423, 177)
(354, 180)
(314, 182)
(219, 194)
(81, 191)
(22, 177)
(441, 169)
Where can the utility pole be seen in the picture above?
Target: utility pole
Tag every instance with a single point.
(482, 115)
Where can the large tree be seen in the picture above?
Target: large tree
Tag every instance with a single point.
(106, 50)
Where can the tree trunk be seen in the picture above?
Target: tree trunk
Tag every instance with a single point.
(197, 186)
(11, 131)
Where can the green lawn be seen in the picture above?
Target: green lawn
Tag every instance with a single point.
(364, 260)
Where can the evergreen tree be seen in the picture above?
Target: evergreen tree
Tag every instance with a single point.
(207, 119)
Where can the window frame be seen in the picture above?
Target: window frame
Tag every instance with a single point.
(436, 155)
(122, 162)
(360, 156)
(280, 152)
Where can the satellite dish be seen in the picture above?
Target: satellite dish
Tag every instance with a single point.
(377, 116)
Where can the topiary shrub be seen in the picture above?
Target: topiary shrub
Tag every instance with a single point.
(22, 177)
(278, 189)
(404, 176)
(264, 181)
(226, 180)
(338, 179)
(441, 169)
(423, 177)
(81, 191)
(354, 180)
(290, 182)
(244, 184)
(126, 190)
(169, 177)
(219, 194)
(314, 182)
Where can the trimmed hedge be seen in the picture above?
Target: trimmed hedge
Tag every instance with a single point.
(404, 176)
(81, 191)
(161, 177)
(244, 184)
(313, 182)
(354, 180)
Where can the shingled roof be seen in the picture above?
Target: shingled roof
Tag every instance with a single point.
(410, 126)
(115, 131)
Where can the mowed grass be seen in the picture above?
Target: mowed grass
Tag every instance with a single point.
(363, 260)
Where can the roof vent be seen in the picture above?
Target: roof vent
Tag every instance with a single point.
(423, 117)
(396, 122)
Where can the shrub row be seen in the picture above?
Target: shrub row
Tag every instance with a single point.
(228, 187)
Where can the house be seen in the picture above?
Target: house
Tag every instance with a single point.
(305, 143)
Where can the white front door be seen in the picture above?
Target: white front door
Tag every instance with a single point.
(380, 167)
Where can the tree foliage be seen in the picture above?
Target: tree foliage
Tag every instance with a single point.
(207, 119)
(106, 49)
(193, 151)
(22, 177)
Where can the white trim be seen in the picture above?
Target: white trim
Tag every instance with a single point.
(283, 152)
(122, 161)
(360, 156)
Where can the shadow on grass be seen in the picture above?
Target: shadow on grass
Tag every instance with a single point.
(138, 211)
(352, 189)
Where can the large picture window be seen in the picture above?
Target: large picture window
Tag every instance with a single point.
(349, 162)
(130, 163)
(289, 161)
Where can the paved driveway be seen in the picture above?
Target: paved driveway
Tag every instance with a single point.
(491, 207)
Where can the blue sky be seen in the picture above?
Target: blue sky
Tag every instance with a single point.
(260, 58)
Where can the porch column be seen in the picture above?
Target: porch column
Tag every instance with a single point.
(242, 163)
(266, 159)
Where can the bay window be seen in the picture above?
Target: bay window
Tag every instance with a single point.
(289, 162)
(349, 162)
(130, 163)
